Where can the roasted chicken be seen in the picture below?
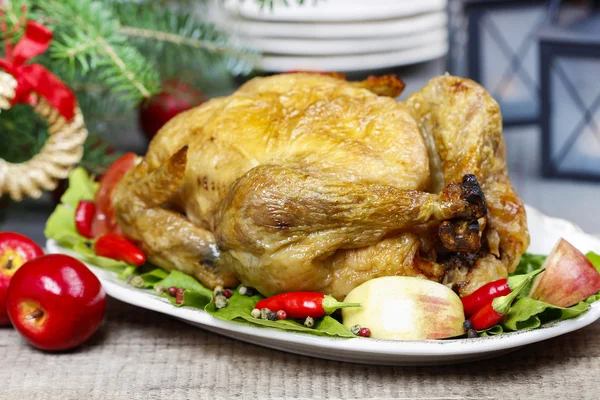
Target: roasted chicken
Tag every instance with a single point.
(309, 182)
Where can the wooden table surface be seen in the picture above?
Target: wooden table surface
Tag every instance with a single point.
(140, 354)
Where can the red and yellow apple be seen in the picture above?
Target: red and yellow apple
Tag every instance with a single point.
(569, 277)
(15, 250)
(405, 308)
(55, 302)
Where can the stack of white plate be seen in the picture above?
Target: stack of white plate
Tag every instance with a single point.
(339, 35)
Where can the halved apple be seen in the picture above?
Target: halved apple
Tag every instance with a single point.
(569, 277)
(405, 308)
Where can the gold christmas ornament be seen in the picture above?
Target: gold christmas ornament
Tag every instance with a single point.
(61, 152)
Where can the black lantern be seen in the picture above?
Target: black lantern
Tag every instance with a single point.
(570, 99)
(502, 53)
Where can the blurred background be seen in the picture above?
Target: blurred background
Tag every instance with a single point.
(539, 59)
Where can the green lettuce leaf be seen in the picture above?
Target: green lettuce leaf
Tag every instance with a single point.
(152, 278)
(529, 263)
(593, 298)
(493, 331)
(239, 308)
(195, 294)
(82, 187)
(181, 280)
(528, 313)
(191, 298)
(61, 224)
(595, 259)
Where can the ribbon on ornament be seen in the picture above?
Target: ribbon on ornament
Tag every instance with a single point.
(34, 77)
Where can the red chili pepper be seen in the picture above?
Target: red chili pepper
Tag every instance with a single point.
(84, 215)
(494, 311)
(484, 295)
(119, 248)
(486, 317)
(303, 304)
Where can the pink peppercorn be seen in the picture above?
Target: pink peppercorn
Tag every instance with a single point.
(172, 291)
(364, 332)
(281, 315)
(179, 296)
(227, 293)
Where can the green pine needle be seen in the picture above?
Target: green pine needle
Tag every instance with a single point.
(22, 133)
(174, 39)
(88, 37)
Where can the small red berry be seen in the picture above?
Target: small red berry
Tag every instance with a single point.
(172, 291)
(228, 293)
(364, 332)
(281, 314)
(179, 296)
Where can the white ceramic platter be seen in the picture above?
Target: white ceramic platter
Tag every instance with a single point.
(334, 10)
(346, 46)
(353, 62)
(545, 232)
(360, 29)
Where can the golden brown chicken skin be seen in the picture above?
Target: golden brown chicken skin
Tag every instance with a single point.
(309, 182)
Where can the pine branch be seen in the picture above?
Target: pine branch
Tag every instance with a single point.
(13, 18)
(87, 35)
(22, 133)
(180, 40)
(175, 38)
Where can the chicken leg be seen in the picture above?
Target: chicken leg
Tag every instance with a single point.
(462, 126)
(170, 240)
(281, 225)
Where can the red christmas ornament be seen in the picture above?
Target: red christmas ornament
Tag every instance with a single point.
(176, 97)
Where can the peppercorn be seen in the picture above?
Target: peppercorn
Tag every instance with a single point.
(255, 313)
(227, 293)
(179, 296)
(136, 281)
(472, 333)
(220, 302)
(160, 289)
(281, 315)
(272, 316)
(217, 289)
(264, 313)
(364, 332)
(356, 329)
(309, 322)
(468, 325)
(246, 291)
(172, 291)
(220, 293)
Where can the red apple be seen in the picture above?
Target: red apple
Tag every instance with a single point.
(569, 277)
(15, 250)
(176, 97)
(55, 302)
